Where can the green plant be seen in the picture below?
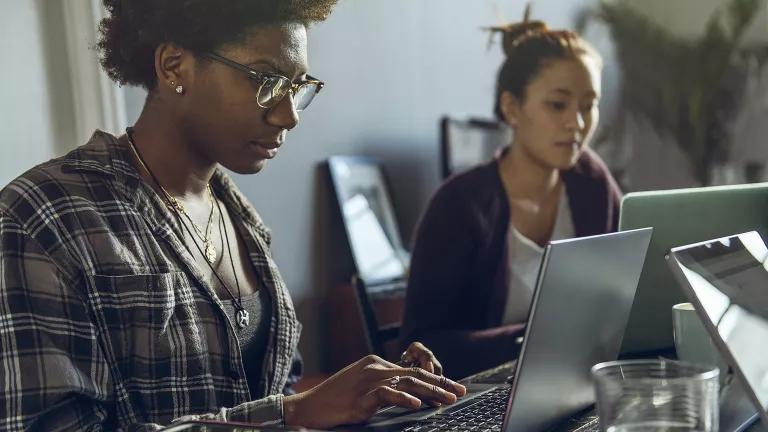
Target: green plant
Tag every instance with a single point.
(687, 88)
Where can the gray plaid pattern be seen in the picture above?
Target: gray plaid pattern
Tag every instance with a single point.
(105, 323)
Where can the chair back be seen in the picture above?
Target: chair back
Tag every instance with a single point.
(381, 309)
(467, 142)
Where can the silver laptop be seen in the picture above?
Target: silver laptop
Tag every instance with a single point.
(678, 217)
(727, 281)
(580, 308)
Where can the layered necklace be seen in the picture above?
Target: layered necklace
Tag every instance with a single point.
(205, 236)
(209, 252)
(209, 249)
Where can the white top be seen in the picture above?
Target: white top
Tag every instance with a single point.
(525, 259)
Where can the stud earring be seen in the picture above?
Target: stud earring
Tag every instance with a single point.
(178, 88)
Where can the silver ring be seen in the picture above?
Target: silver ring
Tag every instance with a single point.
(404, 362)
(394, 381)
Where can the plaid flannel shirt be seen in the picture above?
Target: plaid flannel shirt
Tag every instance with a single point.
(105, 322)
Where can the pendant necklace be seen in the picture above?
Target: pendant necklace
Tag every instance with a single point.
(242, 315)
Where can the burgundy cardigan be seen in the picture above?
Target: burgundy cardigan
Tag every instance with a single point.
(458, 282)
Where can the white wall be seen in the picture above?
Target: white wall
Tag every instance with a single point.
(53, 93)
(33, 99)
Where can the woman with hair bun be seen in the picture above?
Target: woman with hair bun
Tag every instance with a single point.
(479, 245)
(137, 283)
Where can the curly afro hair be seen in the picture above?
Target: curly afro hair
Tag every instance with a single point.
(133, 29)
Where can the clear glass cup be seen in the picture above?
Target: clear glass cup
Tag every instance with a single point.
(656, 396)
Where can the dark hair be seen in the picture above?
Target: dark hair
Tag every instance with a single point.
(133, 29)
(528, 46)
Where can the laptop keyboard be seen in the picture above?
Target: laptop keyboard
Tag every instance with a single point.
(485, 413)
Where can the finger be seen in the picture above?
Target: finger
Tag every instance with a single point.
(418, 355)
(438, 367)
(426, 355)
(416, 346)
(430, 378)
(414, 352)
(387, 396)
(431, 393)
(406, 360)
(424, 361)
(428, 361)
(390, 365)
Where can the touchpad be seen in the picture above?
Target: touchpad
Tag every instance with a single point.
(397, 414)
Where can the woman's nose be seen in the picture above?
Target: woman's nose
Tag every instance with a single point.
(284, 114)
(576, 121)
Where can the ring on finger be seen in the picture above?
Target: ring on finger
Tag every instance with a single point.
(394, 381)
(406, 361)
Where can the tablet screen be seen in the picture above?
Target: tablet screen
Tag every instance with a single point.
(728, 280)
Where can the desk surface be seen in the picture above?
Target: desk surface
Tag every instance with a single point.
(501, 373)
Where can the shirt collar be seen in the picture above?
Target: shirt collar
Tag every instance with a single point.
(110, 156)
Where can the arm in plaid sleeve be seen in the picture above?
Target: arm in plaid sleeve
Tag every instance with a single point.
(53, 372)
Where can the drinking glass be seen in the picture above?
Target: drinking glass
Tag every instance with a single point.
(656, 396)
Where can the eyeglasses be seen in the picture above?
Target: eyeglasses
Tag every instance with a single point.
(272, 88)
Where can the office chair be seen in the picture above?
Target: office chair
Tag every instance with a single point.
(381, 309)
(467, 142)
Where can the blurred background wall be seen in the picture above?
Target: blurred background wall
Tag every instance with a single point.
(392, 68)
(33, 98)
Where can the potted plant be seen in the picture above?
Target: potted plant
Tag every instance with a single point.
(687, 89)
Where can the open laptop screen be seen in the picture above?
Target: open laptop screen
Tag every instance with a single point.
(728, 283)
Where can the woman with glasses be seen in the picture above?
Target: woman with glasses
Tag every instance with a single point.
(137, 285)
(479, 246)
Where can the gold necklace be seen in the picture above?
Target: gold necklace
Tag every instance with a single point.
(205, 237)
(243, 317)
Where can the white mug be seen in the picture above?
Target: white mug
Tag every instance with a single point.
(692, 341)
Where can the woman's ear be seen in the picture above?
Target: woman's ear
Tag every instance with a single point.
(510, 108)
(174, 67)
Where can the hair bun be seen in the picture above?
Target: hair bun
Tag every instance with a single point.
(513, 34)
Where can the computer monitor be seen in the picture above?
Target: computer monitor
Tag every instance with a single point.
(468, 142)
(369, 219)
(679, 217)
